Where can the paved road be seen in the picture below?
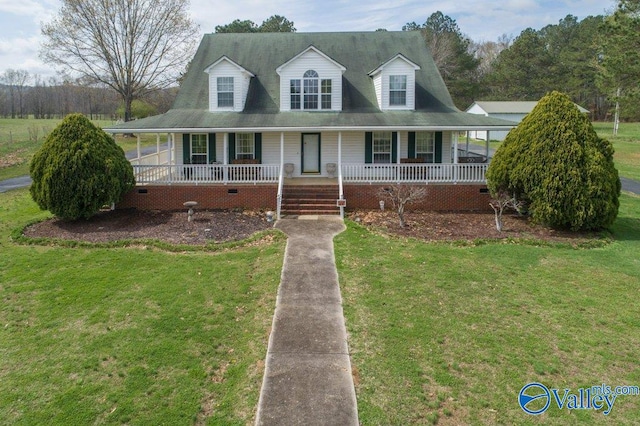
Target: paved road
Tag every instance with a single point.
(23, 181)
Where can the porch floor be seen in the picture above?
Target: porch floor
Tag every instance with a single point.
(310, 181)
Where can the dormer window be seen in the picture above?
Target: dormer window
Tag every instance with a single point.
(395, 84)
(225, 92)
(228, 85)
(311, 81)
(310, 92)
(397, 90)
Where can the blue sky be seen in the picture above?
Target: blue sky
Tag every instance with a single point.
(480, 20)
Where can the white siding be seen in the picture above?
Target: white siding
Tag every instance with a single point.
(397, 66)
(241, 82)
(352, 148)
(326, 70)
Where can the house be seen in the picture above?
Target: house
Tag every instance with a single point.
(286, 120)
(505, 110)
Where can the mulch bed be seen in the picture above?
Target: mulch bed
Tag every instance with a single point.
(168, 226)
(435, 226)
(222, 226)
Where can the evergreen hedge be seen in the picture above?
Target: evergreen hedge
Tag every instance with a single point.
(78, 170)
(557, 164)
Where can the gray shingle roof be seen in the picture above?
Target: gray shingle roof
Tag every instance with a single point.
(512, 107)
(359, 52)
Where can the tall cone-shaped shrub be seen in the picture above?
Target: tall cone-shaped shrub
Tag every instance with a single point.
(79, 169)
(557, 164)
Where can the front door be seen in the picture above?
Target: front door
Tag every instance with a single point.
(311, 153)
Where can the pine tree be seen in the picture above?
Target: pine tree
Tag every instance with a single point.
(79, 169)
(555, 161)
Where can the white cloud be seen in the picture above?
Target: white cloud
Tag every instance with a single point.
(479, 19)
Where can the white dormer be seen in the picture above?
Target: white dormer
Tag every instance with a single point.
(311, 81)
(228, 85)
(395, 84)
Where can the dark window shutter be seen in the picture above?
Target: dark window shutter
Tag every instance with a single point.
(232, 146)
(438, 147)
(412, 145)
(368, 147)
(394, 147)
(258, 147)
(212, 148)
(186, 148)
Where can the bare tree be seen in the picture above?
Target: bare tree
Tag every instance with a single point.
(502, 202)
(16, 81)
(133, 46)
(402, 195)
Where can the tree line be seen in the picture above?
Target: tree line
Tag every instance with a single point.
(595, 61)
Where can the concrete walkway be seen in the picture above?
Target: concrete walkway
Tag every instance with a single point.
(307, 379)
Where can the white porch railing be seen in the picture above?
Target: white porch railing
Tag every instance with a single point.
(206, 173)
(414, 173)
(161, 157)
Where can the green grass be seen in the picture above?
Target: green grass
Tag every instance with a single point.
(20, 138)
(627, 146)
(446, 332)
(130, 335)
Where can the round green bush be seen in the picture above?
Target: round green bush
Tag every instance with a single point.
(557, 164)
(78, 170)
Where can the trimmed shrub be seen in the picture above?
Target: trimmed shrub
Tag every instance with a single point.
(557, 164)
(79, 169)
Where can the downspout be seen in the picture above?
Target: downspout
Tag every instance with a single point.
(280, 177)
(340, 187)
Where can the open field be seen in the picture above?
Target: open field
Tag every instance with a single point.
(627, 146)
(449, 333)
(20, 138)
(130, 336)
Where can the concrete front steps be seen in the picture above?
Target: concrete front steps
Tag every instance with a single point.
(309, 200)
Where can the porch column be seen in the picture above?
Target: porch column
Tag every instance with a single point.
(157, 149)
(138, 147)
(467, 148)
(454, 136)
(225, 157)
(487, 146)
(170, 147)
(281, 150)
(340, 154)
(398, 144)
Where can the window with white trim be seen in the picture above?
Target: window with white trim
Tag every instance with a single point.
(245, 146)
(225, 92)
(295, 92)
(425, 146)
(397, 90)
(325, 88)
(310, 92)
(382, 147)
(199, 148)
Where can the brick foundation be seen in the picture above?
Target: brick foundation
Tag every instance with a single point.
(460, 197)
(171, 197)
(441, 197)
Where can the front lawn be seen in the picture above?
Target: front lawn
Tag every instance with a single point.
(135, 336)
(450, 333)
